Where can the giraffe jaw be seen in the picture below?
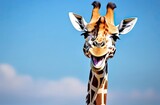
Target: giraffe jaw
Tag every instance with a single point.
(98, 62)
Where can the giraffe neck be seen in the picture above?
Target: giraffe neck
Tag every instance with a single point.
(97, 87)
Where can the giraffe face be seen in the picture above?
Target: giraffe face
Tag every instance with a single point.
(100, 39)
(100, 33)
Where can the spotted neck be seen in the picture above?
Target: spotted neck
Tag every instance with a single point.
(97, 87)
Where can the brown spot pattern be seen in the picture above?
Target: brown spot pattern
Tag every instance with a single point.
(95, 82)
(92, 94)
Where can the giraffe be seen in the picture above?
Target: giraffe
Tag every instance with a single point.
(100, 36)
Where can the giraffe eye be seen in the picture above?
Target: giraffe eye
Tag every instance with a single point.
(86, 34)
(115, 37)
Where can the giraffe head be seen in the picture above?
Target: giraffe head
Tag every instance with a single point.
(101, 33)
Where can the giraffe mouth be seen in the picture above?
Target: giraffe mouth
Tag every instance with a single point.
(98, 61)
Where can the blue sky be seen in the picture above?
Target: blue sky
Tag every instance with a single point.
(41, 58)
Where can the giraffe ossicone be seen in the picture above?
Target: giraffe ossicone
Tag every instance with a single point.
(100, 36)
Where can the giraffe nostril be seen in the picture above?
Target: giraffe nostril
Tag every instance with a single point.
(95, 43)
(102, 44)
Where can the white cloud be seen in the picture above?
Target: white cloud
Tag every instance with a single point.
(134, 97)
(19, 89)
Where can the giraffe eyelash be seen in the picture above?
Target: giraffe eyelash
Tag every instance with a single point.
(115, 37)
(85, 34)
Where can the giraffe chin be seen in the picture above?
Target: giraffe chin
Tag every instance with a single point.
(98, 62)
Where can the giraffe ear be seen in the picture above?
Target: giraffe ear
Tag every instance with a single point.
(77, 21)
(126, 25)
